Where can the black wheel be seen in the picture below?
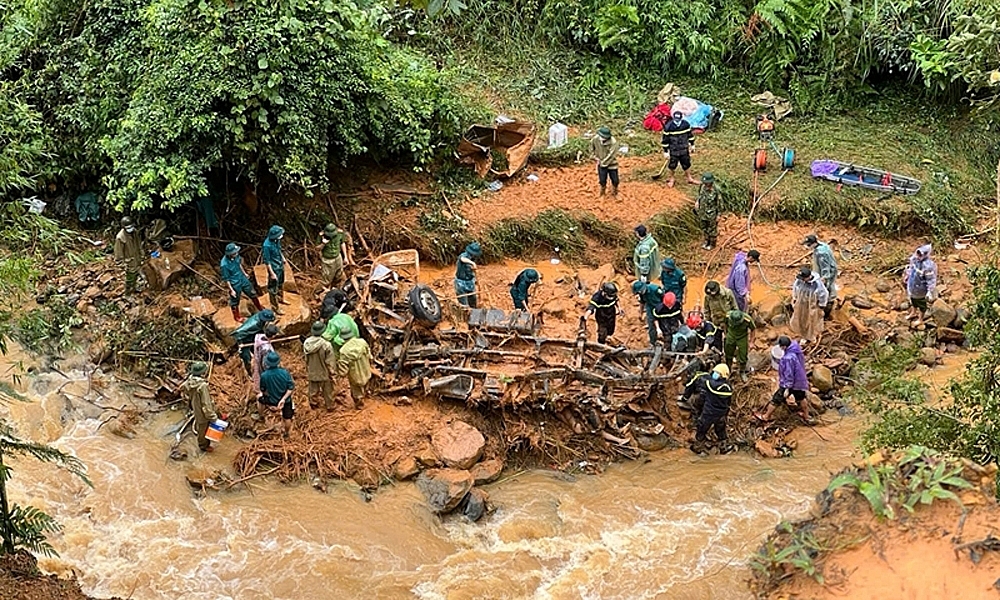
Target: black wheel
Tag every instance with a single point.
(424, 304)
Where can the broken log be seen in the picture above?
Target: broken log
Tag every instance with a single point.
(949, 335)
(858, 325)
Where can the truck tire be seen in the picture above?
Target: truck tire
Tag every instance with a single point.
(424, 304)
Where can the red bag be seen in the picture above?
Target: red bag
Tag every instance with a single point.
(657, 117)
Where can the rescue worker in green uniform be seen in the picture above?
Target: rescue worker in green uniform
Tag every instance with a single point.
(650, 295)
(128, 253)
(237, 281)
(335, 253)
(245, 334)
(718, 302)
(673, 279)
(519, 290)
(276, 387)
(274, 259)
(465, 275)
(195, 389)
(739, 335)
(706, 206)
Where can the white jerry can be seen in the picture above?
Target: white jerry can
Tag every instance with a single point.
(558, 135)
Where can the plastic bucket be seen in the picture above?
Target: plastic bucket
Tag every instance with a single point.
(776, 354)
(216, 429)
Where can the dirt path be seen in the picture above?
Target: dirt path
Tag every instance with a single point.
(576, 188)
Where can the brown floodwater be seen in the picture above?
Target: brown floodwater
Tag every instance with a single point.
(675, 526)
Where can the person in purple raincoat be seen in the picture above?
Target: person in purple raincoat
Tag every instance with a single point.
(739, 277)
(920, 279)
(792, 381)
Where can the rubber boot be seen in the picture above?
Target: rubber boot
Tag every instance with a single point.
(281, 296)
(614, 191)
(236, 314)
(603, 188)
(274, 304)
(256, 303)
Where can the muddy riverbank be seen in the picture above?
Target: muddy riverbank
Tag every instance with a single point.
(141, 531)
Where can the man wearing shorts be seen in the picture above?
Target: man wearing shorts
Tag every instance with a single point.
(677, 143)
(792, 381)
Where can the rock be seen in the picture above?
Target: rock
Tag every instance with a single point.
(652, 443)
(163, 271)
(904, 305)
(591, 279)
(758, 362)
(766, 449)
(200, 307)
(951, 348)
(98, 352)
(822, 378)
(941, 313)
(862, 302)
(426, 458)
(883, 286)
(458, 444)
(295, 320)
(759, 322)
(201, 478)
(928, 356)
(815, 402)
(961, 318)
(487, 471)
(444, 488)
(91, 293)
(406, 468)
(771, 306)
(779, 320)
(474, 505)
(558, 307)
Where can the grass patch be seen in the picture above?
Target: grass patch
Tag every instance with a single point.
(551, 229)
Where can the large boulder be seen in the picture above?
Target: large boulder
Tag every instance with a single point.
(458, 444)
(260, 272)
(487, 471)
(652, 443)
(444, 488)
(758, 362)
(164, 270)
(771, 306)
(941, 313)
(591, 279)
(862, 302)
(296, 317)
(822, 378)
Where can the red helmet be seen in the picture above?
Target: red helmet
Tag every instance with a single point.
(694, 320)
(669, 299)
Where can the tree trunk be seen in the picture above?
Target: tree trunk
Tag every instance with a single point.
(8, 529)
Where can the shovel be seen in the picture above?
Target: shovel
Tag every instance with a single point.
(662, 169)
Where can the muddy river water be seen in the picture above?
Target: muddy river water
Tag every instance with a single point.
(675, 526)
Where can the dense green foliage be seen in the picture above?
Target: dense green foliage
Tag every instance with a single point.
(967, 426)
(157, 95)
(822, 52)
